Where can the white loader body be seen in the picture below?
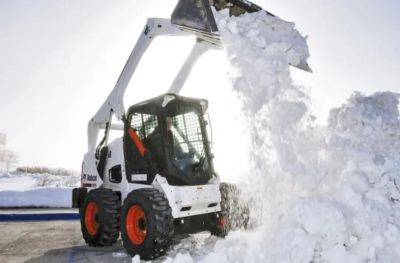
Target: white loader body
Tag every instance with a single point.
(183, 200)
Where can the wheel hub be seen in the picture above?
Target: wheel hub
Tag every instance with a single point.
(136, 225)
(142, 224)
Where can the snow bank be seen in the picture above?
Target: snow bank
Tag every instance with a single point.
(357, 219)
(39, 197)
(318, 193)
(36, 190)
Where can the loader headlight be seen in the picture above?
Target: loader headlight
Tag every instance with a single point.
(167, 99)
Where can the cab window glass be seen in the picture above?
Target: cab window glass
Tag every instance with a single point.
(144, 124)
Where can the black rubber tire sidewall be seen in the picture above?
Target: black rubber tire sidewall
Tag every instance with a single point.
(105, 235)
(146, 250)
(146, 247)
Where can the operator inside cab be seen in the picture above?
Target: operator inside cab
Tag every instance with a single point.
(153, 142)
(175, 139)
(176, 152)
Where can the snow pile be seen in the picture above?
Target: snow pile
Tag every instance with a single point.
(36, 190)
(357, 220)
(318, 193)
(39, 197)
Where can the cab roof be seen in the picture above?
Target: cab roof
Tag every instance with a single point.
(162, 102)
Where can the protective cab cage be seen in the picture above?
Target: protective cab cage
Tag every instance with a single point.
(149, 149)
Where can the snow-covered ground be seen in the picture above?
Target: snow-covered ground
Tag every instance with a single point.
(36, 190)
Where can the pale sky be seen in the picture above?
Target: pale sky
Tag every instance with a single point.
(60, 59)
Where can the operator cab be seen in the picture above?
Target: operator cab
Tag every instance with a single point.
(167, 135)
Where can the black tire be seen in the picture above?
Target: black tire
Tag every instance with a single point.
(100, 217)
(146, 223)
(235, 212)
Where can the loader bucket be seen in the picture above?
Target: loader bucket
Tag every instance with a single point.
(194, 14)
(197, 16)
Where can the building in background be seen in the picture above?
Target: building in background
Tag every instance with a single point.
(3, 140)
(8, 158)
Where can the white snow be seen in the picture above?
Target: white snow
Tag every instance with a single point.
(318, 193)
(36, 190)
(119, 254)
(16, 183)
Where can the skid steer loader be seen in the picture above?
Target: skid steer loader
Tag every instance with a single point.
(157, 179)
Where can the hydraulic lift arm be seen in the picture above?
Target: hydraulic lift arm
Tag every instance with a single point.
(189, 18)
(153, 28)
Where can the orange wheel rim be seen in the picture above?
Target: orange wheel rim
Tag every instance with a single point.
(91, 218)
(136, 225)
(222, 222)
